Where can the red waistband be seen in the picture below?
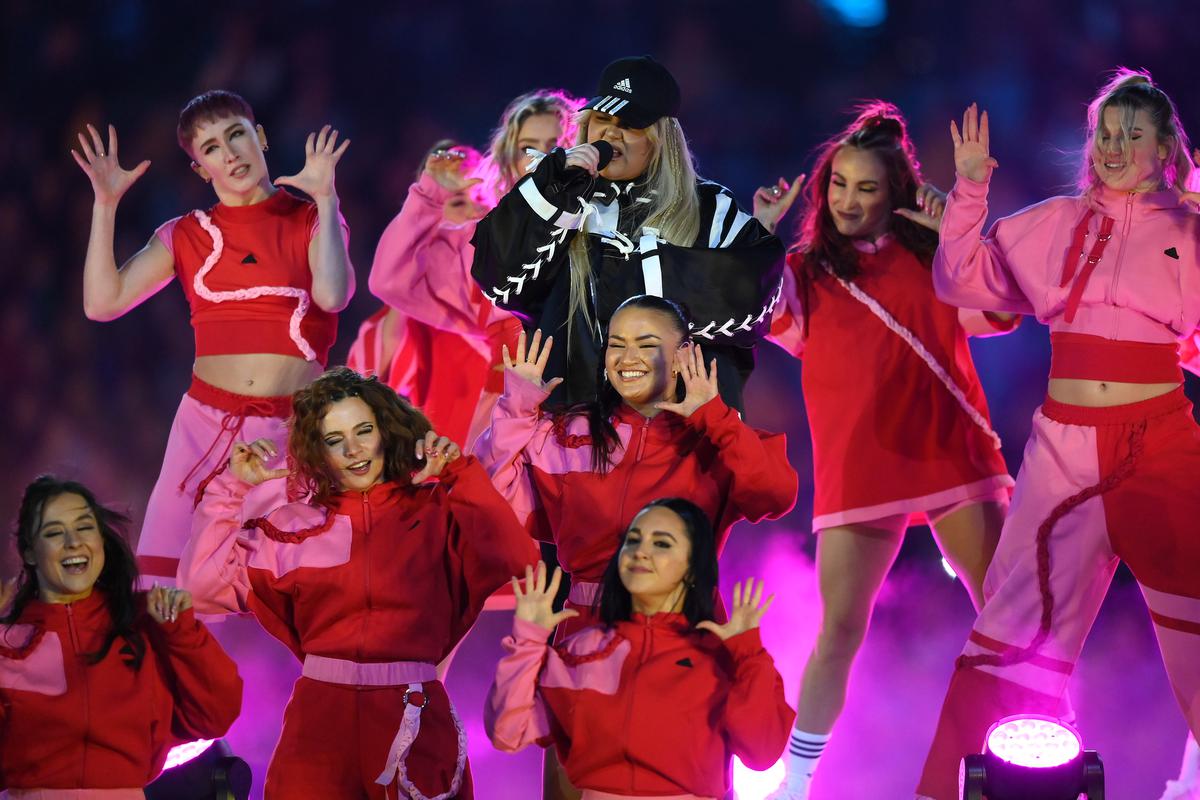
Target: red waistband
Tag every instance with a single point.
(1084, 357)
(1169, 403)
(242, 404)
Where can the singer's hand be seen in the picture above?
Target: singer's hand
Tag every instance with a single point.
(585, 156)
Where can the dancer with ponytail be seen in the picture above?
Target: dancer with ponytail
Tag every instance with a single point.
(1111, 469)
(265, 274)
(899, 422)
(97, 680)
(656, 697)
(577, 238)
(370, 582)
(438, 339)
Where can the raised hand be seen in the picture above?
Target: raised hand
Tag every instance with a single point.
(535, 600)
(700, 385)
(450, 167)
(436, 451)
(8, 591)
(530, 364)
(248, 461)
(585, 156)
(771, 203)
(109, 180)
(316, 179)
(931, 204)
(165, 604)
(748, 610)
(972, 158)
(1184, 194)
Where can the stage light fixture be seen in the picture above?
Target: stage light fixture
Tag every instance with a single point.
(1032, 757)
(202, 770)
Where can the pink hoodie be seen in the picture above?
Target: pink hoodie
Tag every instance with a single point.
(1144, 288)
(422, 268)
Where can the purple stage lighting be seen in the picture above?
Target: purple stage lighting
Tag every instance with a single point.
(1032, 757)
(183, 753)
(1034, 741)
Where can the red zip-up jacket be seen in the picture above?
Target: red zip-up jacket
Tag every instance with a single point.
(651, 707)
(68, 724)
(543, 466)
(395, 573)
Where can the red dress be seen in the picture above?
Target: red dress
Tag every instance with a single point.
(889, 437)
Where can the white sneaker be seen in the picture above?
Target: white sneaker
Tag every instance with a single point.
(784, 793)
(1178, 790)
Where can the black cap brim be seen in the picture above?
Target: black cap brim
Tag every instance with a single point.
(630, 113)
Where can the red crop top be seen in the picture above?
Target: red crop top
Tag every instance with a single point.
(245, 272)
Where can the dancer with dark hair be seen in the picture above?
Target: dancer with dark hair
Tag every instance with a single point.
(97, 679)
(264, 272)
(1111, 468)
(899, 421)
(656, 427)
(438, 342)
(657, 697)
(370, 582)
(576, 238)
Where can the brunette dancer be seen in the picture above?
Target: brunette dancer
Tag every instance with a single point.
(899, 422)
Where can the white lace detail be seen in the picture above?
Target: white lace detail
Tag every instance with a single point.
(397, 767)
(913, 342)
(731, 327)
(302, 298)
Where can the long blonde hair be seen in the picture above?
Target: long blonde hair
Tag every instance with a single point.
(1128, 90)
(670, 180)
(503, 154)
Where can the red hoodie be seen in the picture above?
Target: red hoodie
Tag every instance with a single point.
(544, 467)
(68, 724)
(651, 707)
(396, 573)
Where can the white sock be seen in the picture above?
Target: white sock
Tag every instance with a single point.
(803, 752)
(1189, 771)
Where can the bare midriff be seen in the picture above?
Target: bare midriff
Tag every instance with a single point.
(1099, 394)
(257, 374)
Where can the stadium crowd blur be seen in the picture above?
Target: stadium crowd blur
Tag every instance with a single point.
(763, 83)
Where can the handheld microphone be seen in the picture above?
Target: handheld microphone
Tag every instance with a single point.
(606, 153)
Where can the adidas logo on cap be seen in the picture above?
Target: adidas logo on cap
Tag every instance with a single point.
(623, 85)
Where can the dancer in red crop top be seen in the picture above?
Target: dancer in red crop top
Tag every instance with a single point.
(265, 274)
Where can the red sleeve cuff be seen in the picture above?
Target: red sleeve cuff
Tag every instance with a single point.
(745, 645)
(709, 414)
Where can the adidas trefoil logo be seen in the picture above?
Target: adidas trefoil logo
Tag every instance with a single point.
(623, 85)
(250, 259)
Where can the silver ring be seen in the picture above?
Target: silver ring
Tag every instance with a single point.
(775, 190)
(100, 154)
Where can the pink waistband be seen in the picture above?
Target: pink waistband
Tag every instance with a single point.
(76, 794)
(353, 673)
(1169, 403)
(584, 593)
(592, 794)
(239, 404)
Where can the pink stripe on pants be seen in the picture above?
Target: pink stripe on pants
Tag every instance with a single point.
(205, 426)
(1098, 485)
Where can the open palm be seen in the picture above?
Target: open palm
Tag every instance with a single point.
(530, 363)
(109, 180)
(535, 599)
(747, 613)
(972, 156)
(321, 156)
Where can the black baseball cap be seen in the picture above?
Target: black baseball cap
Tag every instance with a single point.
(637, 89)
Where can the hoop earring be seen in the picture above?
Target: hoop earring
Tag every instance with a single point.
(266, 147)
